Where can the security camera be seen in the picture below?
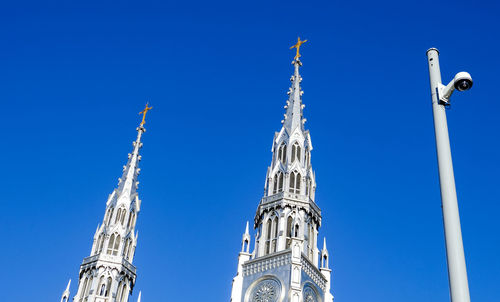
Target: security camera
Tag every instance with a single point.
(461, 82)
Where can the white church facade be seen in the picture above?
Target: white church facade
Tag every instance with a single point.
(286, 264)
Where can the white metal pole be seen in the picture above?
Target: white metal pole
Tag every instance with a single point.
(457, 272)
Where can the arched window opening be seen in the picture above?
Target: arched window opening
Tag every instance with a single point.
(102, 286)
(130, 247)
(324, 263)
(124, 292)
(296, 152)
(129, 219)
(118, 214)
(295, 179)
(307, 158)
(296, 231)
(89, 285)
(125, 249)
(108, 287)
(245, 245)
(134, 219)
(84, 287)
(275, 235)
(289, 222)
(110, 244)
(100, 243)
(278, 183)
(110, 215)
(116, 246)
(275, 184)
(119, 292)
(122, 220)
(268, 237)
(282, 153)
(311, 241)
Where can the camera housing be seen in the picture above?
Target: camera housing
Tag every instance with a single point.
(462, 81)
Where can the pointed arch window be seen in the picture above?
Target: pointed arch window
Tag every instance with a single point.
(268, 236)
(116, 246)
(110, 244)
(84, 287)
(130, 250)
(124, 292)
(100, 243)
(307, 157)
(108, 287)
(118, 214)
(296, 150)
(122, 219)
(102, 287)
(311, 241)
(89, 285)
(119, 292)
(129, 218)
(282, 153)
(278, 183)
(274, 239)
(289, 222)
(110, 215)
(295, 180)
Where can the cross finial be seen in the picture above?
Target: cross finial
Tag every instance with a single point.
(143, 112)
(299, 43)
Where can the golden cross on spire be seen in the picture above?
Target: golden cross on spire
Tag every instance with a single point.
(143, 112)
(299, 43)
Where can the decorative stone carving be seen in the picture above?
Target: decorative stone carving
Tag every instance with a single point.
(267, 290)
(309, 295)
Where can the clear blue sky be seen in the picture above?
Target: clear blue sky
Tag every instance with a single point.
(73, 77)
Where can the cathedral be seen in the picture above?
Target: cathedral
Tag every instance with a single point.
(285, 264)
(108, 275)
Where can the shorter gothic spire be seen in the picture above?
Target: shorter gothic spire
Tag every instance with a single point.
(139, 298)
(245, 242)
(65, 295)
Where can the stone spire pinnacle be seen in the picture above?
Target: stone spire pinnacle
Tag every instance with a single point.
(65, 295)
(139, 298)
(246, 230)
(67, 287)
(324, 244)
(293, 115)
(128, 183)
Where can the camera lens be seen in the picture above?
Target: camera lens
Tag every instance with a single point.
(463, 85)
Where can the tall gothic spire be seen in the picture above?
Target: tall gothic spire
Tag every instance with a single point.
(285, 259)
(108, 273)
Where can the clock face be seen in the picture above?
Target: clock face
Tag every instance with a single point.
(309, 295)
(267, 290)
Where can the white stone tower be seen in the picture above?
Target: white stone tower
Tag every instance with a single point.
(108, 274)
(285, 265)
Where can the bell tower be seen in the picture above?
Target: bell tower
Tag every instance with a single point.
(108, 275)
(285, 263)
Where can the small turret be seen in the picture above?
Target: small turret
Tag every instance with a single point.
(324, 255)
(65, 295)
(245, 242)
